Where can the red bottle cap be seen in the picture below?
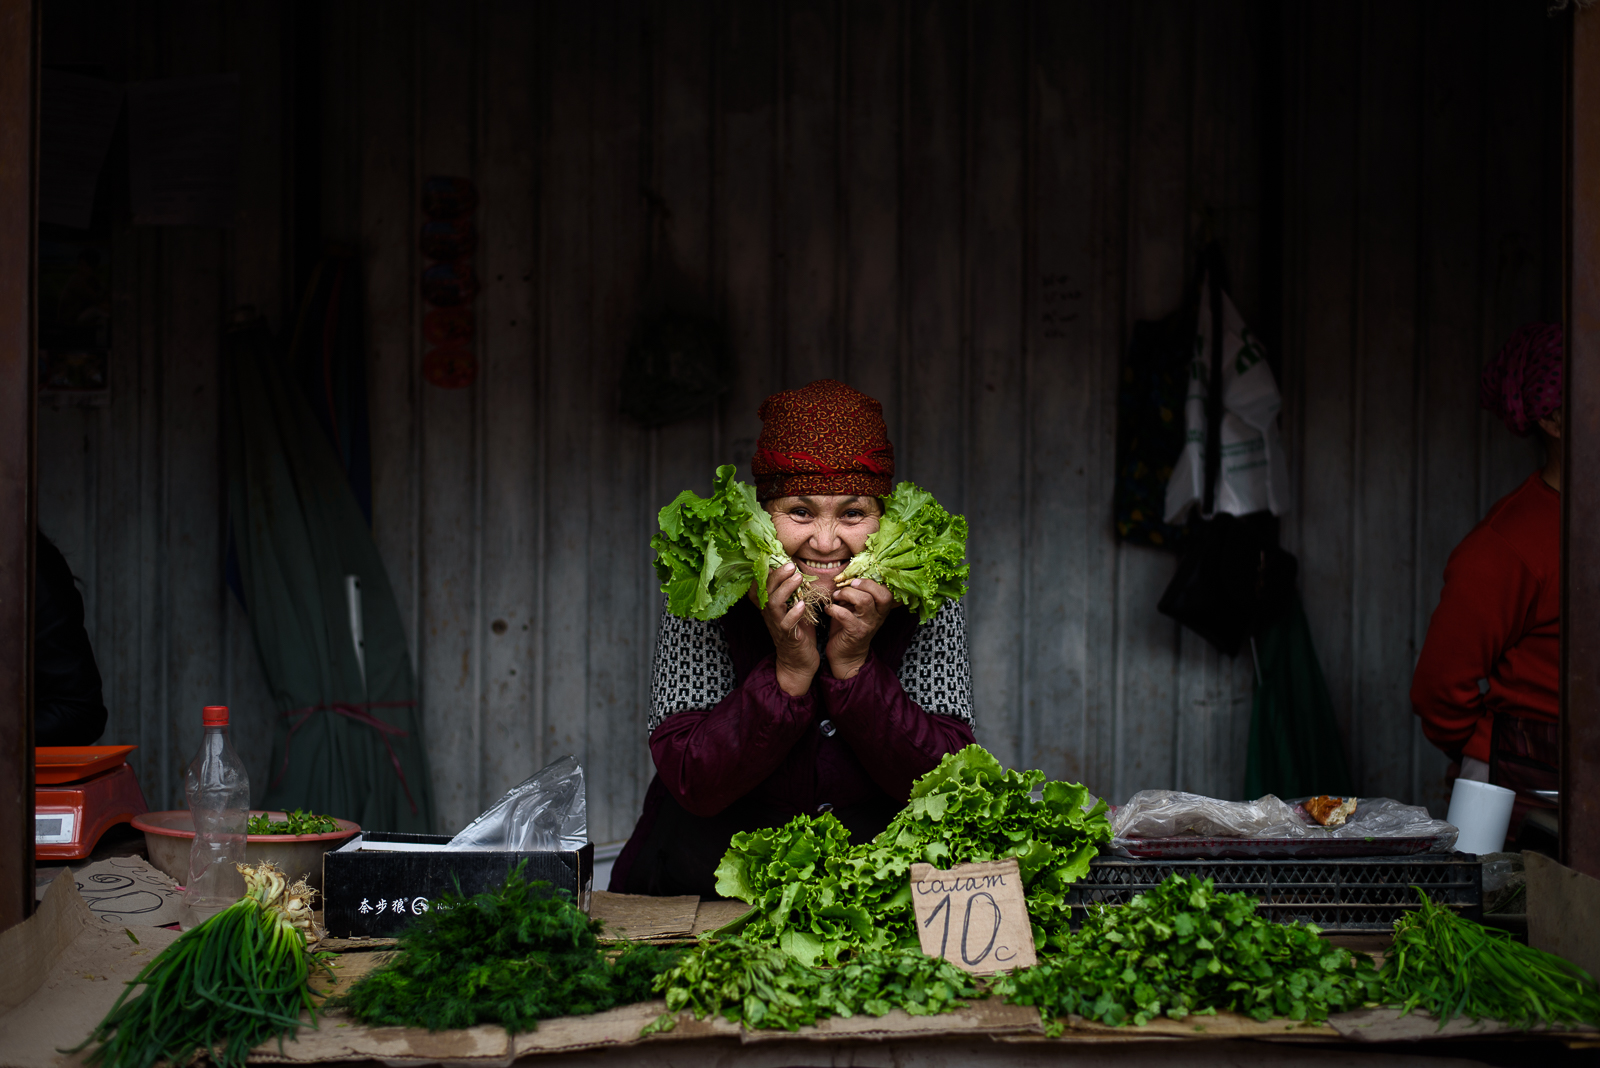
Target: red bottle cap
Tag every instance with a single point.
(214, 715)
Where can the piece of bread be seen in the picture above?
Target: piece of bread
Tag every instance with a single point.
(1330, 811)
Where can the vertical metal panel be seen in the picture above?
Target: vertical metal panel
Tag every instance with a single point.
(1580, 711)
(19, 111)
(960, 209)
(509, 238)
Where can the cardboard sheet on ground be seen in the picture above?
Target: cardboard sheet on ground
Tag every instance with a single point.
(69, 969)
(1387, 1025)
(128, 892)
(639, 918)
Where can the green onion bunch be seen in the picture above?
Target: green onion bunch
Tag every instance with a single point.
(765, 988)
(514, 955)
(1454, 967)
(228, 984)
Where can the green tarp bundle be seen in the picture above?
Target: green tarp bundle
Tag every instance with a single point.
(345, 745)
(1295, 750)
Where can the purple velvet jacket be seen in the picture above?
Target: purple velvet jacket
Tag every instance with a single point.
(759, 757)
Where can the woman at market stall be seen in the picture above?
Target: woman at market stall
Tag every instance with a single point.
(1486, 685)
(762, 715)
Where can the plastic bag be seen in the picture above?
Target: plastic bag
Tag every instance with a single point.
(1171, 813)
(546, 811)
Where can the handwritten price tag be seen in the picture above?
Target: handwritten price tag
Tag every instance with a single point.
(973, 916)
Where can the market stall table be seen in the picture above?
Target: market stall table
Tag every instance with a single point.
(77, 965)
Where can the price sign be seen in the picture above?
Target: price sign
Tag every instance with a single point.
(973, 916)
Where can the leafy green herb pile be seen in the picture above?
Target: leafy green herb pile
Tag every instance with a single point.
(822, 899)
(1186, 948)
(763, 987)
(919, 552)
(225, 986)
(297, 822)
(710, 549)
(514, 955)
(1453, 967)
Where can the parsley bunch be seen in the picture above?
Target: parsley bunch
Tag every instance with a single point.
(822, 899)
(763, 987)
(1186, 948)
(514, 955)
(297, 822)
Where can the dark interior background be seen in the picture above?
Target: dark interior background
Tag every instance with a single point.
(958, 207)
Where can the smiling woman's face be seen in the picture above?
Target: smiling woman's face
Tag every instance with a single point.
(823, 533)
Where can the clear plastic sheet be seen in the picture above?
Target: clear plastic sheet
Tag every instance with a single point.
(546, 811)
(1173, 814)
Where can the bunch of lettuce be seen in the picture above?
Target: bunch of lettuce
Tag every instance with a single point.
(710, 549)
(919, 552)
(821, 899)
(1186, 948)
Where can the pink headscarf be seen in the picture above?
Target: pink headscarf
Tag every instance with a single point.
(1522, 384)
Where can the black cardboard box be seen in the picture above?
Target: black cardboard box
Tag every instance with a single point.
(374, 894)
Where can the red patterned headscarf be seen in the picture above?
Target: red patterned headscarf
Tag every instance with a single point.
(1522, 384)
(824, 439)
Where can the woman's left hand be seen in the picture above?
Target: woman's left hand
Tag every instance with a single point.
(858, 610)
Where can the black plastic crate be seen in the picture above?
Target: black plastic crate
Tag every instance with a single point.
(1346, 894)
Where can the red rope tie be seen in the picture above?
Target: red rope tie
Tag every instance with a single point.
(359, 713)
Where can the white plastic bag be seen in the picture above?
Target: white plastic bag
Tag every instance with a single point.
(1171, 813)
(1254, 474)
(546, 811)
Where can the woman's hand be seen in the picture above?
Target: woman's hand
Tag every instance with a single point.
(858, 610)
(795, 639)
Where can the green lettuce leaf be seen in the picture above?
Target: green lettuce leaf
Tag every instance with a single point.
(711, 549)
(919, 552)
(817, 895)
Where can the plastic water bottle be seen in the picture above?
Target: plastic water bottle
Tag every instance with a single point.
(218, 790)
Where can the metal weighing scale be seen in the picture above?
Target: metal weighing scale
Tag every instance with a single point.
(81, 792)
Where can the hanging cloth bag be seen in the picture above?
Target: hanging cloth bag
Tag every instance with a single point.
(1232, 579)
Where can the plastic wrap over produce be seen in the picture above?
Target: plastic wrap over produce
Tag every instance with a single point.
(1173, 813)
(546, 811)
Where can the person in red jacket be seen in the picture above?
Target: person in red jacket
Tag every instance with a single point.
(761, 716)
(1487, 683)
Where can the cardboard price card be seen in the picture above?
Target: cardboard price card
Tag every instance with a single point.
(973, 916)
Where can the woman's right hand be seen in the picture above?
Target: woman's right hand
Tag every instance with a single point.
(794, 637)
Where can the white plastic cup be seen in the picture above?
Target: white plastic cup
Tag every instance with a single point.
(1482, 813)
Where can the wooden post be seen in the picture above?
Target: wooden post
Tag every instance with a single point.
(1580, 479)
(19, 110)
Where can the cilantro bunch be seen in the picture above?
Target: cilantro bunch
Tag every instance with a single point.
(763, 987)
(1186, 948)
(514, 955)
(919, 552)
(821, 899)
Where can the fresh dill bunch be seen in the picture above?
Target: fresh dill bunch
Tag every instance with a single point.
(514, 955)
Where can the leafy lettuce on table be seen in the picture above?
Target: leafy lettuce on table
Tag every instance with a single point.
(824, 900)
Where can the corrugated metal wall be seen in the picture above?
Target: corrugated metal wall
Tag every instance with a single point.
(960, 208)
